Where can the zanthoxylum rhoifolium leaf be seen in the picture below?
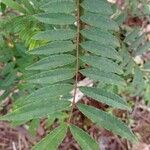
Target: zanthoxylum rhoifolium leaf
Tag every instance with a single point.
(107, 121)
(53, 139)
(83, 139)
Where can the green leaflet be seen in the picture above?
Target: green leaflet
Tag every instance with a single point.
(103, 37)
(55, 35)
(99, 21)
(147, 66)
(104, 77)
(107, 121)
(147, 94)
(83, 139)
(105, 97)
(29, 6)
(6, 69)
(103, 64)
(14, 5)
(56, 18)
(53, 61)
(62, 6)
(8, 81)
(137, 42)
(54, 48)
(45, 93)
(52, 76)
(36, 109)
(102, 50)
(131, 36)
(138, 81)
(144, 48)
(97, 6)
(53, 139)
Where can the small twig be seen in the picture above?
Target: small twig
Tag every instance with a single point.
(19, 141)
(14, 146)
(120, 143)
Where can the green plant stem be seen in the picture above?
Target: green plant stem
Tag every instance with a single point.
(77, 60)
